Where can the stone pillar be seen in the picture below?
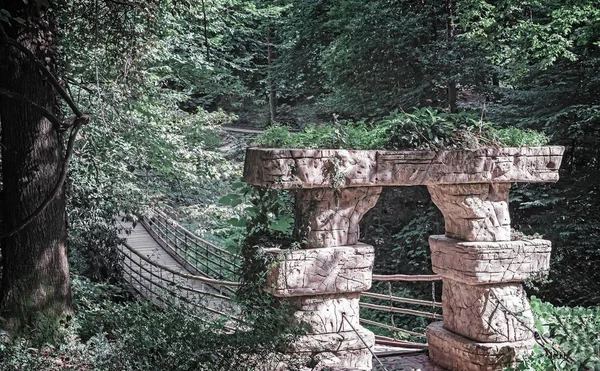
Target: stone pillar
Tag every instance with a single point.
(487, 317)
(486, 313)
(324, 279)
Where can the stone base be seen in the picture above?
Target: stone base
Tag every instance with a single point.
(358, 360)
(456, 353)
(328, 313)
(341, 349)
(487, 313)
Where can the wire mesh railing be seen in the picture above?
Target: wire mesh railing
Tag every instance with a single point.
(218, 271)
(196, 254)
(399, 316)
(166, 287)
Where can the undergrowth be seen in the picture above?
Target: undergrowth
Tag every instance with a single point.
(567, 339)
(112, 332)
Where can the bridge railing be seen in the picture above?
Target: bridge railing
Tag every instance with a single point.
(166, 287)
(194, 253)
(201, 257)
(387, 304)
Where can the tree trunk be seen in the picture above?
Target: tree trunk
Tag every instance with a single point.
(35, 276)
(272, 87)
(206, 31)
(495, 80)
(452, 96)
(451, 87)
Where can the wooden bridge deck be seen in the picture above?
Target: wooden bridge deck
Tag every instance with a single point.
(209, 303)
(153, 282)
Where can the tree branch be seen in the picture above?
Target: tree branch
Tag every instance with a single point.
(49, 115)
(75, 123)
(29, 54)
(78, 123)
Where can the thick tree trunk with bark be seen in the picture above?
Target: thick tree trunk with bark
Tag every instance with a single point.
(35, 276)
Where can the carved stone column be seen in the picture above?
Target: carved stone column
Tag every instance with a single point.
(324, 279)
(487, 319)
(330, 217)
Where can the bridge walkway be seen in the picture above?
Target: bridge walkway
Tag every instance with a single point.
(167, 264)
(162, 275)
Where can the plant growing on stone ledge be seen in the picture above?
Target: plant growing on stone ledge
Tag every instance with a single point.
(421, 129)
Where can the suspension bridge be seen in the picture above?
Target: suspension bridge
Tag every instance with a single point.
(167, 264)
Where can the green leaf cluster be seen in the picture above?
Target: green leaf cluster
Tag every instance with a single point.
(569, 338)
(110, 331)
(421, 129)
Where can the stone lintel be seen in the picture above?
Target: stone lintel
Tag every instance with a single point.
(456, 353)
(321, 271)
(487, 313)
(297, 168)
(477, 263)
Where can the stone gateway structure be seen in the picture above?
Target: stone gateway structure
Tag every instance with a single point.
(487, 319)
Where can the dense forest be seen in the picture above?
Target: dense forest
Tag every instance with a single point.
(109, 108)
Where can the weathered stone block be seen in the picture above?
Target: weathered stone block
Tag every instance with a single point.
(343, 341)
(482, 165)
(487, 313)
(489, 262)
(293, 168)
(330, 217)
(355, 360)
(322, 271)
(325, 314)
(474, 212)
(456, 353)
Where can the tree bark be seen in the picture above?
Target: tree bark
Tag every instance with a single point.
(451, 87)
(35, 277)
(205, 31)
(272, 86)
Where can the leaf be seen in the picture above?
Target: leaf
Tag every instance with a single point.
(283, 224)
(231, 199)
(237, 222)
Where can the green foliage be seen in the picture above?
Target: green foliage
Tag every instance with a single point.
(339, 135)
(109, 332)
(154, 82)
(574, 335)
(364, 59)
(422, 129)
(430, 129)
(260, 210)
(514, 137)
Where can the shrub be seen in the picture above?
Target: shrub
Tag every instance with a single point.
(110, 332)
(568, 338)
